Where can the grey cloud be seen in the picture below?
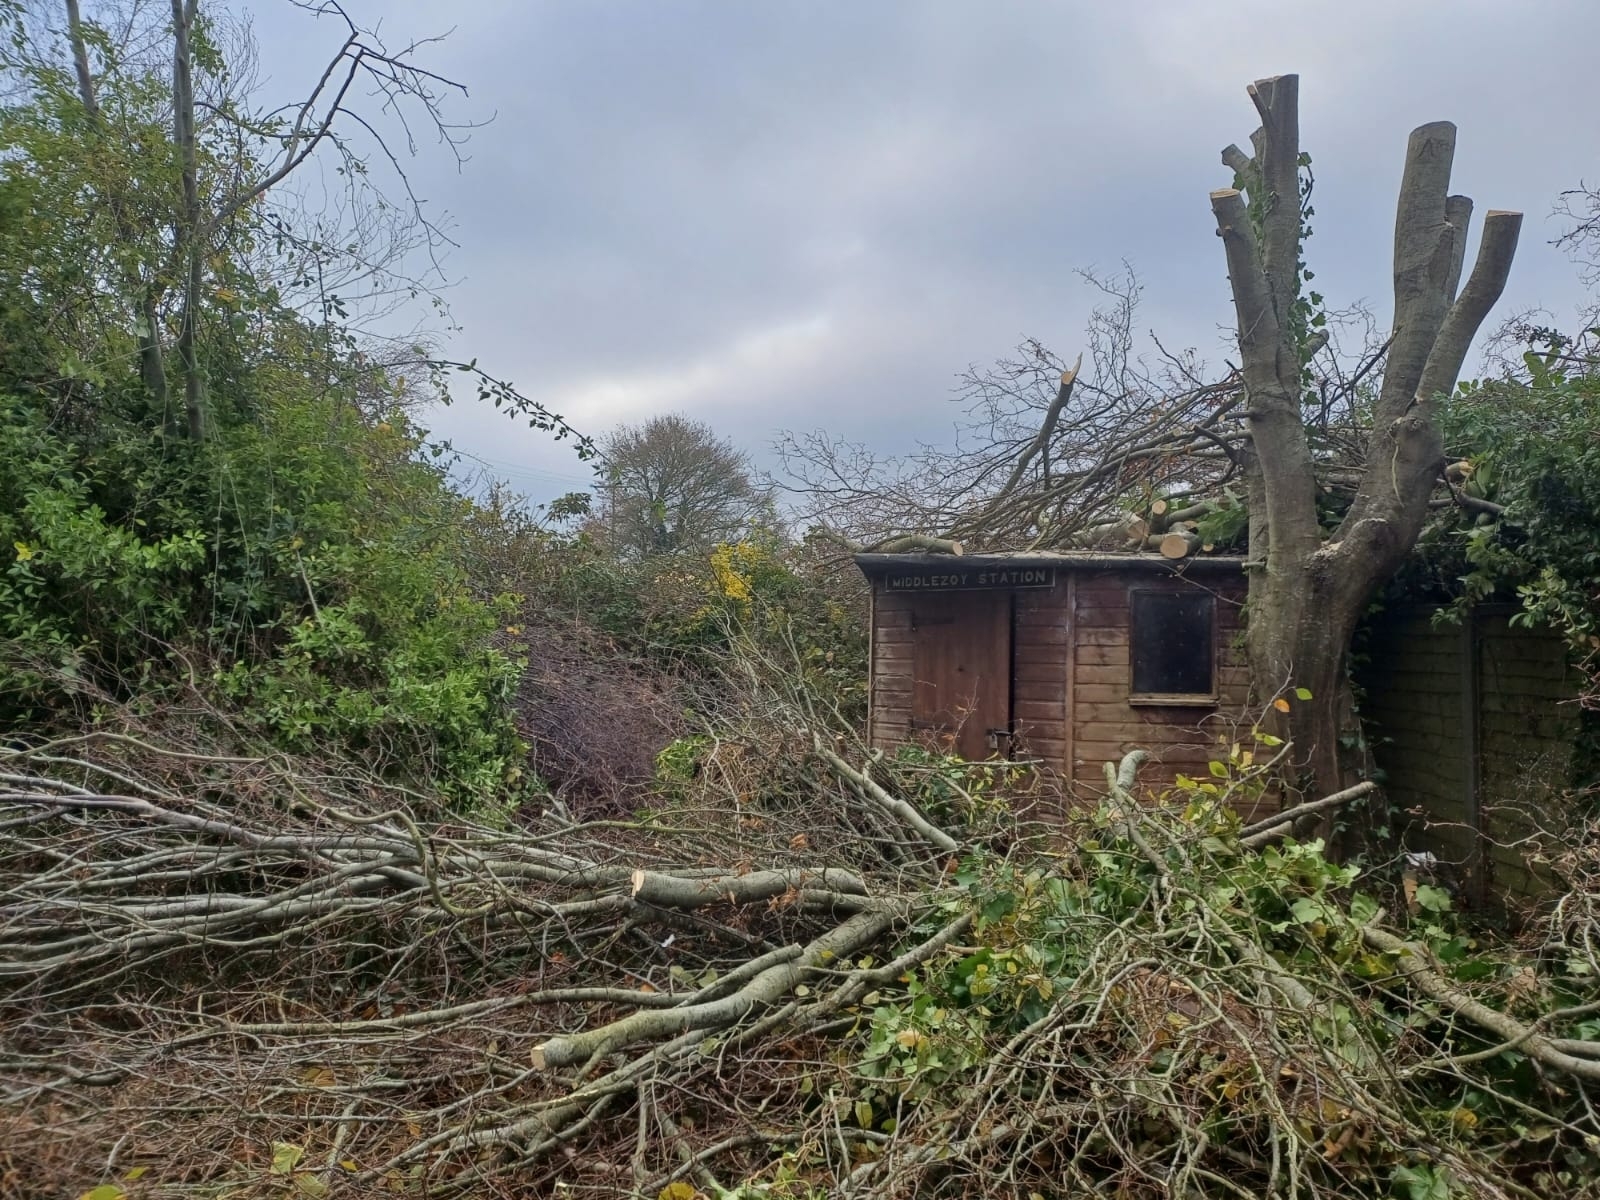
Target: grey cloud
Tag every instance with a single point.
(786, 215)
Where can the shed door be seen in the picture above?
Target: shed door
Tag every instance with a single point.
(961, 655)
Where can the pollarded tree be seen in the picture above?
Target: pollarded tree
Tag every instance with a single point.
(672, 484)
(1308, 586)
(1132, 458)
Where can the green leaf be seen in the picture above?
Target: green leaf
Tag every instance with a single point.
(1432, 899)
(1362, 908)
(1218, 769)
(1423, 1182)
(999, 907)
(1302, 693)
(285, 1157)
(1306, 910)
(864, 1114)
(106, 1191)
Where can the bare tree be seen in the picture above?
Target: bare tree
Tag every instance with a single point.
(1581, 205)
(1045, 452)
(672, 484)
(1308, 587)
(1326, 431)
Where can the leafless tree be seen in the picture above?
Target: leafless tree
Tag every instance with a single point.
(236, 159)
(1325, 431)
(1581, 205)
(1043, 452)
(1309, 586)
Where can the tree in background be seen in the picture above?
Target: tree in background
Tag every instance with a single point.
(671, 485)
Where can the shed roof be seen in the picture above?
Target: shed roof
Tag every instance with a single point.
(1080, 560)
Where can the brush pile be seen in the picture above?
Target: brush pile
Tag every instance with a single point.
(794, 976)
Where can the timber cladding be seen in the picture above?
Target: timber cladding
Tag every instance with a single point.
(1038, 657)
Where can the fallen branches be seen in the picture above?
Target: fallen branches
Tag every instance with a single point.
(1280, 824)
(300, 959)
(769, 986)
(1570, 1057)
(892, 805)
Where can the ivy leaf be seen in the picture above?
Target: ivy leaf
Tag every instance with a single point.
(1307, 910)
(1432, 899)
(1423, 1183)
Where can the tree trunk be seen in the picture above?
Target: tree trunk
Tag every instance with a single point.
(1308, 586)
(189, 250)
(152, 370)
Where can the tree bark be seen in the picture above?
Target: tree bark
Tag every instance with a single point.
(189, 251)
(1308, 589)
(152, 370)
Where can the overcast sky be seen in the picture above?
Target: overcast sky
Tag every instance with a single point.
(781, 215)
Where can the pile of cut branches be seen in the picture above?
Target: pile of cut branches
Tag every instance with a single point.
(223, 974)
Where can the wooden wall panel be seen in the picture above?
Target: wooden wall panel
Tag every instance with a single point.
(1181, 739)
(1040, 656)
(1070, 677)
(1473, 727)
(890, 681)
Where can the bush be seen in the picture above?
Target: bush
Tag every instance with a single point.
(309, 558)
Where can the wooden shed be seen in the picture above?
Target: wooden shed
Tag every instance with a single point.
(1070, 659)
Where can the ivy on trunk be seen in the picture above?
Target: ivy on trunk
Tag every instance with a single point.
(1307, 587)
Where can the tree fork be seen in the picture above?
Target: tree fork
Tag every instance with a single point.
(1307, 594)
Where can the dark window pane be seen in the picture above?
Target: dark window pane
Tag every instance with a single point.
(1174, 648)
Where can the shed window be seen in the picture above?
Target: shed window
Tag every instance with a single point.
(1174, 646)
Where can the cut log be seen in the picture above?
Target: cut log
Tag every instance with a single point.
(665, 890)
(918, 541)
(895, 544)
(1179, 544)
(1125, 528)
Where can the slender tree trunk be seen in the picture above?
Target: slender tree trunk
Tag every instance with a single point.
(190, 253)
(1309, 587)
(80, 61)
(152, 369)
